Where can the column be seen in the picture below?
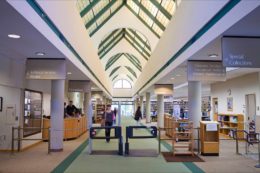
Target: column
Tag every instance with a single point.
(57, 114)
(148, 107)
(142, 105)
(194, 106)
(89, 114)
(136, 105)
(160, 111)
(119, 114)
(194, 102)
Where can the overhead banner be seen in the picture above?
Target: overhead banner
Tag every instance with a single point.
(37, 68)
(164, 89)
(79, 86)
(206, 71)
(241, 52)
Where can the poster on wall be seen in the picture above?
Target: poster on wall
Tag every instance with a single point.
(230, 103)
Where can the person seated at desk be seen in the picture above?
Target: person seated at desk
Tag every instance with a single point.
(71, 109)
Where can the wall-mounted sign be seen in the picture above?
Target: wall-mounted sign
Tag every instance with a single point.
(79, 86)
(206, 71)
(241, 52)
(164, 89)
(45, 68)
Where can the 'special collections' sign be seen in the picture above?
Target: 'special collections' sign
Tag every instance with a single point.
(45, 68)
(241, 52)
(206, 71)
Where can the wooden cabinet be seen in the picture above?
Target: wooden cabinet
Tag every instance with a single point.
(73, 127)
(209, 137)
(228, 122)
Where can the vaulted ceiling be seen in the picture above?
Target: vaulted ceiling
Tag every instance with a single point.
(136, 48)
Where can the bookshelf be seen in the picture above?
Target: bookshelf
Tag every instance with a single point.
(100, 109)
(228, 122)
(209, 135)
(168, 107)
(182, 133)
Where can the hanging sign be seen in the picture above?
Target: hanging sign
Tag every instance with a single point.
(79, 86)
(206, 71)
(164, 89)
(241, 52)
(37, 68)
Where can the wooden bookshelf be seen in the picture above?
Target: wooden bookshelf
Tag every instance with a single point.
(182, 132)
(209, 137)
(100, 110)
(228, 122)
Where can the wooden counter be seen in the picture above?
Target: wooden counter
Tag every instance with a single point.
(73, 127)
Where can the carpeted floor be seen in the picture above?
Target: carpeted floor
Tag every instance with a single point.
(81, 161)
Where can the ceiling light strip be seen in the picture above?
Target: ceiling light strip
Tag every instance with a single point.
(49, 22)
(200, 33)
(100, 13)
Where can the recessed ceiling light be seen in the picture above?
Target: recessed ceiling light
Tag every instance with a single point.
(172, 78)
(178, 75)
(40, 53)
(213, 55)
(69, 73)
(14, 36)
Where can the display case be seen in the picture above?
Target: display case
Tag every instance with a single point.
(209, 137)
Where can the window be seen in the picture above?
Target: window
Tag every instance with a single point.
(122, 83)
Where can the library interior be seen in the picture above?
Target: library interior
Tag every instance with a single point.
(174, 88)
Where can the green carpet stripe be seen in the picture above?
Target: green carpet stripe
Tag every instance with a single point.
(194, 168)
(66, 163)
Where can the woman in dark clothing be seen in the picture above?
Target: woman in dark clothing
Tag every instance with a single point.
(108, 122)
(138, 115)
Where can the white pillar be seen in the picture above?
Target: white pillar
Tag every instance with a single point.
(194, 102)
(136, 105)
(119, 114)
(160, 111)
(142, 105)
(194, 106)
(89, 113)
(148, 107)
(57, 114)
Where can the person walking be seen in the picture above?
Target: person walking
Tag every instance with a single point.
(108, 121)
(138, 115)
(114, 117)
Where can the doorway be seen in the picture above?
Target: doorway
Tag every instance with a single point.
(250, 107)
(126, 108)
(215, 108)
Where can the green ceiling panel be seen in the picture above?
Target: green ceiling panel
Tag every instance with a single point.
(114, 70)
(110, 47)
(114, 77)
(130, 57)
(136, 39)
(153, 14)
(131, 71)
(130, 77)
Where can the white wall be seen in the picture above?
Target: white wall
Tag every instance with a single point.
(122, 92)
(241, 86)
(12, 85)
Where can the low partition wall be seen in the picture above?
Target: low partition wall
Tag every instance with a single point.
(73, 127)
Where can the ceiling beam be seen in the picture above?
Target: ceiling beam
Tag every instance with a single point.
(114, 77)
(163, 10)
(142, 20)
(138, 66)
(149, 14)
(130, 77)
(141, 53)
(131, 71)
(107, 38)
(114, 70)
(107, 19)
(100, 13)
(89, 7)
(111, 47)
(112, 60)
(138, 37)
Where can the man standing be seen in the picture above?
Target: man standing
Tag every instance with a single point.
(71, 109)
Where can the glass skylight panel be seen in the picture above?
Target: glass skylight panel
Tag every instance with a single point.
(157, 29)
(100, 6)
(162, 18)
(116, 5)
(126, 84)
(150, 7)
(103, 17)
(92, 28)
(146, 18)
(81, 4)
(88, 17)
(118, 84)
